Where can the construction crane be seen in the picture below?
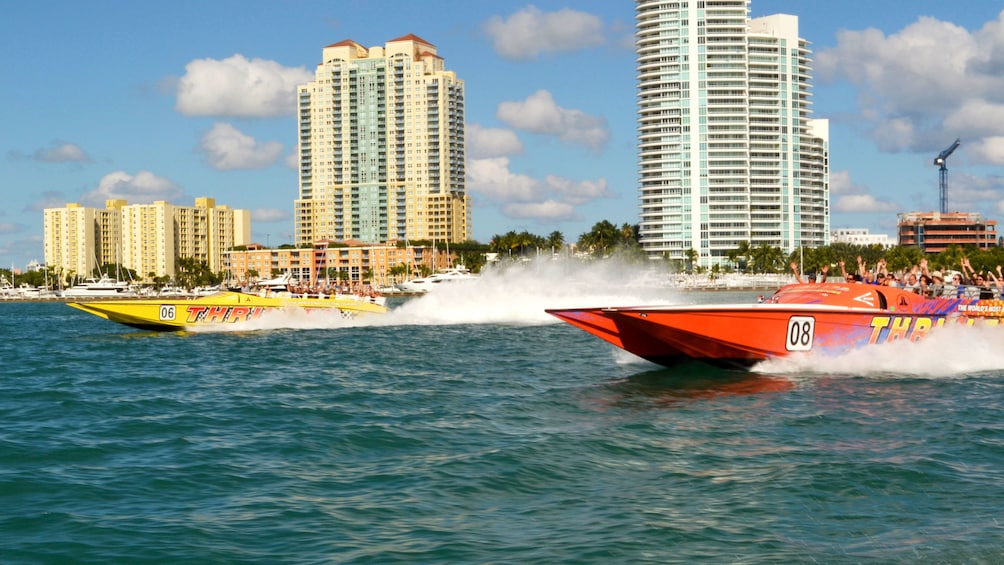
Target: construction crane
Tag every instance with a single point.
(942, 161)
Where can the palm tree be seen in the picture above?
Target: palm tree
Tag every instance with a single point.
(600, 239)
(555, 240)
(768, 259)
(733, 256)
(745, 251)
(691, 255)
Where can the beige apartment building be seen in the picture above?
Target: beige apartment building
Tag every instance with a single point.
(351, 261)
(381, 146)
(147, 238)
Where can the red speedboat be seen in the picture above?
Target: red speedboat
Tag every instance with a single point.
(796, 318)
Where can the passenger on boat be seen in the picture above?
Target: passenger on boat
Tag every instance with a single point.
(985, 292)
(955, 289)
(998, 283)
(912, 283)
(798, 277)
(894, 279)
(937, 286)
(843, 272)
(881, 272)
(926, 286)
(967, 270)
(866, 276)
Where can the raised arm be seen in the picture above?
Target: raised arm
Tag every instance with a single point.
(996, 280)
(798, 276)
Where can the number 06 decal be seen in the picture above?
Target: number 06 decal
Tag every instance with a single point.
(800, 331)
(167, 312)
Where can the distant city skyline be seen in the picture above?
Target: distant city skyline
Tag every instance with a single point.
(169, 102)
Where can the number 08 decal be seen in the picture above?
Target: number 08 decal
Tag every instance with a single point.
(800, 332)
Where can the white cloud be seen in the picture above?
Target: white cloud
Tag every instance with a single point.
(924, 85)
(292, 161)
(854, 197)
(143, 188)
(840, 183)
(524, 197)
(226, 148)
(540, 114)
(270, 215)
(549, 210)
(577, 192)
(238, 87)
(976, 117)
(864, 203)
(62, 153)
(530, 32)
(483, 143)
(493, 179)
(989, 149)
(984, 194)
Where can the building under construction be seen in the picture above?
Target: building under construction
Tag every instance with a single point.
(933, 232)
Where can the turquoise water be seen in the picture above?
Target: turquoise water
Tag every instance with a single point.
(426, 438)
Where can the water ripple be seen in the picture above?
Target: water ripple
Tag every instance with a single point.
(479, 443)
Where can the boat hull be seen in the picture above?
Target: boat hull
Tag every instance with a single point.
(826, 318)
(225, 308)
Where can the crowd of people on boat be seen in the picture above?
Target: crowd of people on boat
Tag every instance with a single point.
(323, 289)
(964, 283)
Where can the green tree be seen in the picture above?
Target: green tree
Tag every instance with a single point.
(556, 241)
(600, 239)
(691, 255)
(767, 259)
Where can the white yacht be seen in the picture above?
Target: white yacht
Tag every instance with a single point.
(104, 287)
(425, 284)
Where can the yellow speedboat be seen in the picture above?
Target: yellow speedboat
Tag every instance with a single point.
(231, 308)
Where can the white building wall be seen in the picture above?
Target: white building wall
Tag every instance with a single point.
(723, 110)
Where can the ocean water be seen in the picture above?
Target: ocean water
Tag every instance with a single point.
(468, 427)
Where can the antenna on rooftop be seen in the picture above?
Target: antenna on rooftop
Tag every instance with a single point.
(942, 161)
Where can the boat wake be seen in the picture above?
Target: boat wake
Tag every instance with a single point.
(519, 294)
(951, 351)
(515, 295)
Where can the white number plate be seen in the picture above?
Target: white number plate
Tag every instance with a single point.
(800, 332)
(167, 312)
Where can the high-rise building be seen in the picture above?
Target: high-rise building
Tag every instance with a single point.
(727, 150)
(147, 238)
(381, 146)
(77, 240)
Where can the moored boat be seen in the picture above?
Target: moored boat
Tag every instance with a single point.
(105, 287)
(425, 284)
(223, 308)
(796, 318)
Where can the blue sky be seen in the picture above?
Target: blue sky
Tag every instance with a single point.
(172, 101)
